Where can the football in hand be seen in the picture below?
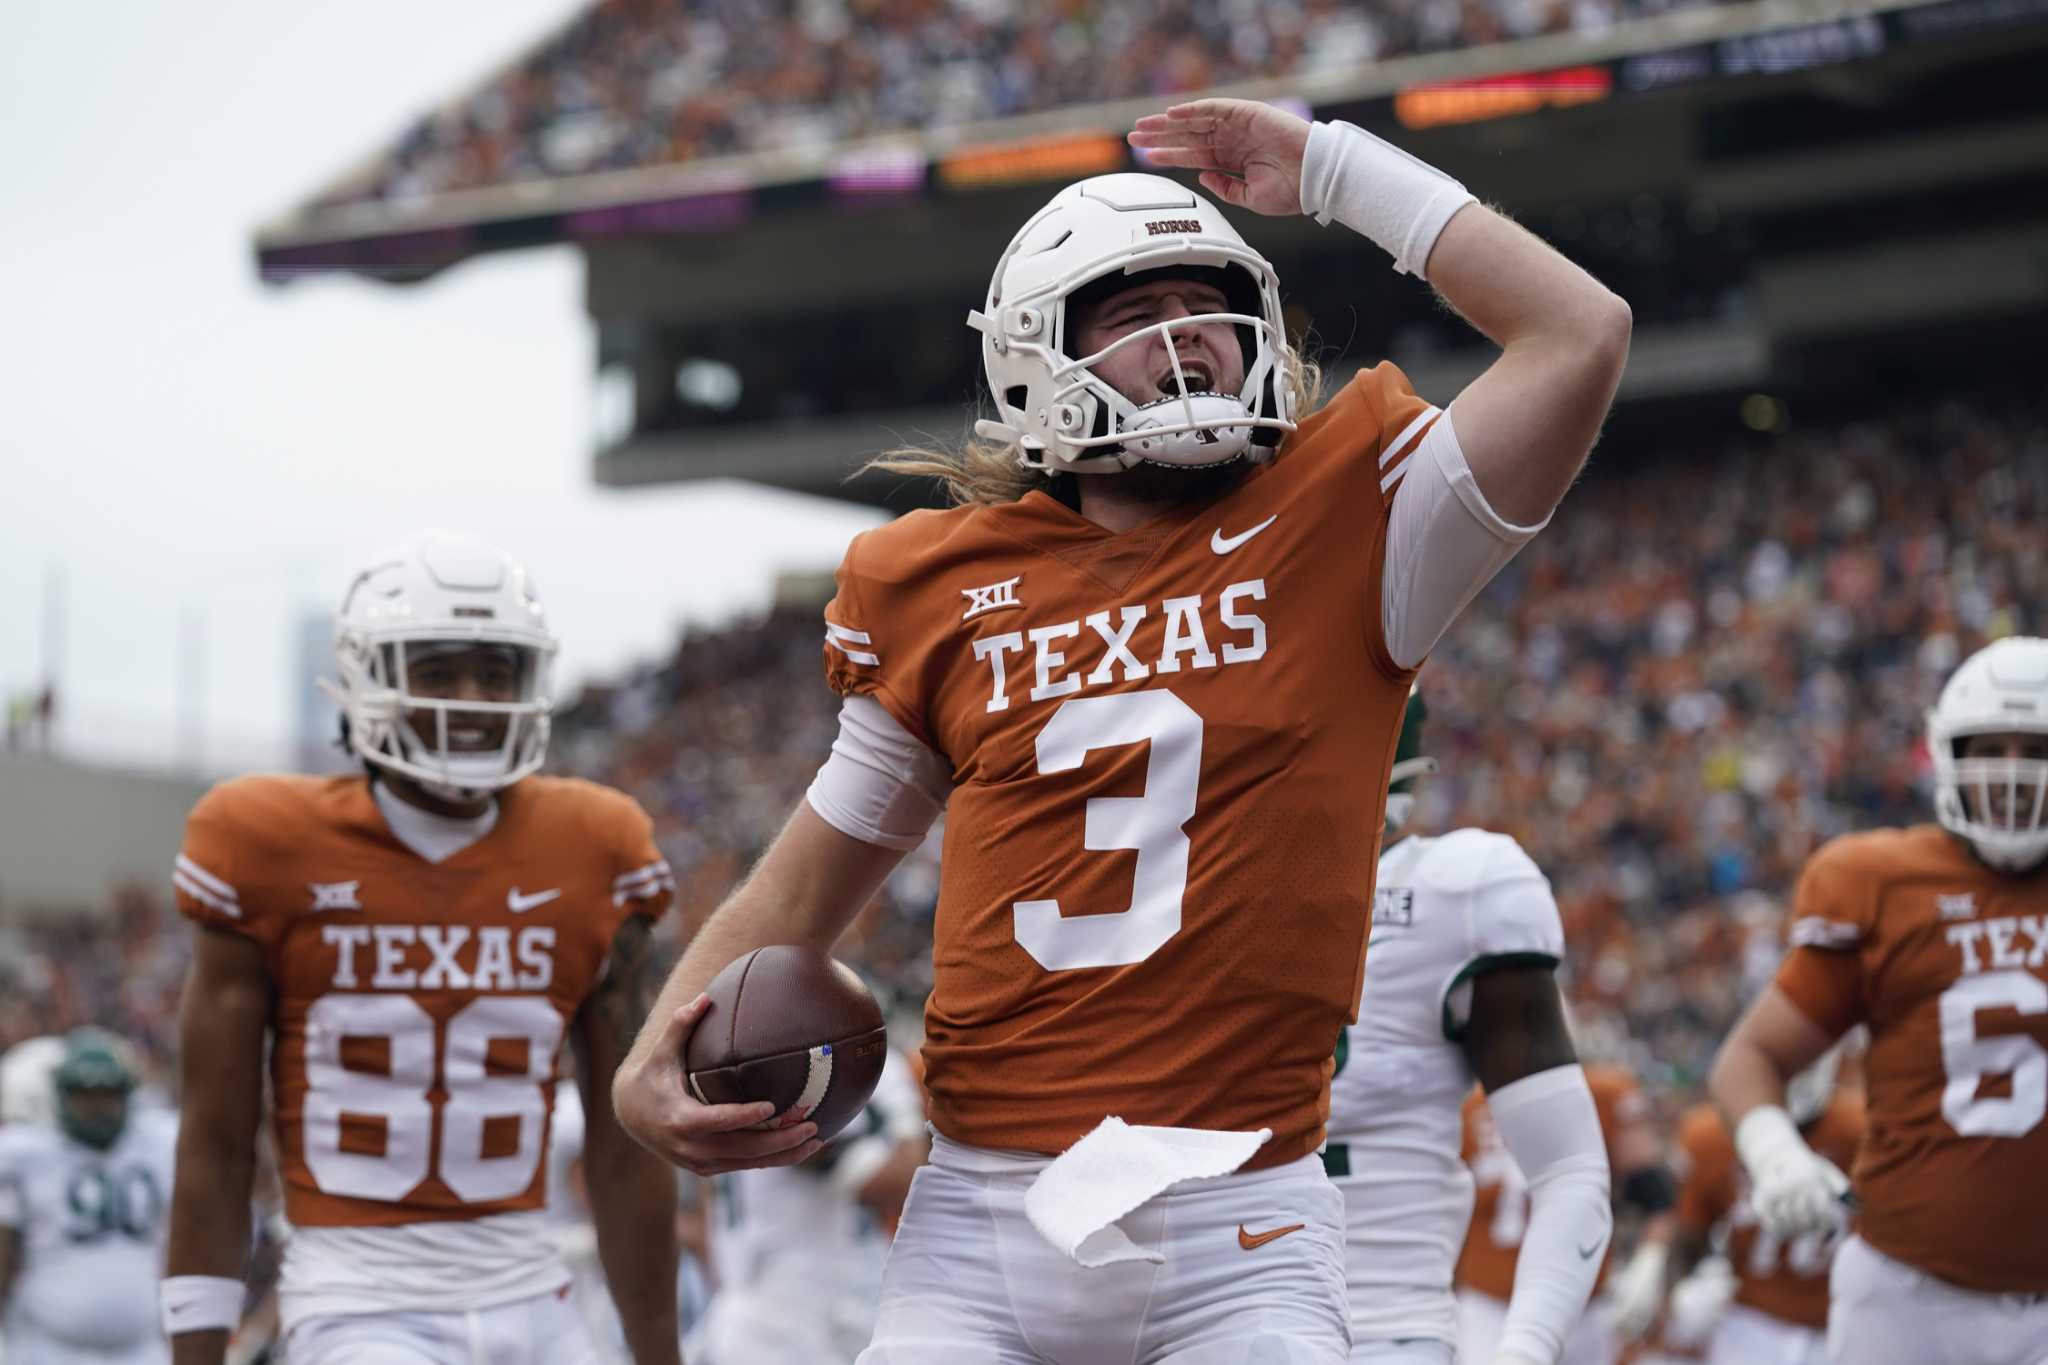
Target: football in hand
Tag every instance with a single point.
(792, 1026)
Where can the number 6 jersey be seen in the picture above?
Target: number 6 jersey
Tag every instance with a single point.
(418, 1006)
(1169, 751)
(1947, 962)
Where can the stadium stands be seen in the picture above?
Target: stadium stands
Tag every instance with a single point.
(637, 83)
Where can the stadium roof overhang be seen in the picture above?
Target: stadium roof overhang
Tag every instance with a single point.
(405, 240)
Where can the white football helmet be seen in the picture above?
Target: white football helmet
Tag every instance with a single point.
(1055, 412)
(438, 592)
(1995, 803)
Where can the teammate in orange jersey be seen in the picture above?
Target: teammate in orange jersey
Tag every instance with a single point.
(1153, 669)
(413, 943)
(1500, 1213)
(1936, 938)
(1779, 1289)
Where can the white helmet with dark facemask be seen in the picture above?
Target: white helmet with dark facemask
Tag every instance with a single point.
(1999, 804)
(1054, 410)
(437, 595)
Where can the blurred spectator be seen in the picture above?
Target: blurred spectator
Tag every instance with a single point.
(635, 83)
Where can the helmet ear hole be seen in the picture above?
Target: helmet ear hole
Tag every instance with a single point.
(1016, 396)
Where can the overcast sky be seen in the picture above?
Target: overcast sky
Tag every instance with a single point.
(194, 457)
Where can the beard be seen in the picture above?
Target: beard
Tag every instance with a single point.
(1163, 486)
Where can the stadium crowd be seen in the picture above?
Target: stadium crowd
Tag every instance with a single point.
(1717, 659)
(634, 83)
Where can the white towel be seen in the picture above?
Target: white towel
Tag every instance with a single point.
(1076, 1201)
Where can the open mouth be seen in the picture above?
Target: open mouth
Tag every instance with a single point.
(1195, 377)
(470, 739)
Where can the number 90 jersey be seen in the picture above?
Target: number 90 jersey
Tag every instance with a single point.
(1169, 752)
(418, 1007)
(92, 1226)
(1946, 960)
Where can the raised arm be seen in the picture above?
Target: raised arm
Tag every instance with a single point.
(806, 889)
(221, 1025)
(1526, 424)
(632, 1191)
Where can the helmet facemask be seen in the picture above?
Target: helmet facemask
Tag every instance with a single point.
(444, 658)
(456, 747)
(1101, 236)
(1995, 801)
(1188, 428)
(1999, 804)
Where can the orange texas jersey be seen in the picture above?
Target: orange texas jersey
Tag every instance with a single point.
(1946, 961)
(1500, 1198)
(1170, 750)
(1789, 1281)
(417, 1007)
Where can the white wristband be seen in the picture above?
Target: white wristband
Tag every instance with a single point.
(199, 1303)
(1378, 191)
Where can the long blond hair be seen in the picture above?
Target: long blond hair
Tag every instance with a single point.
(980, 471)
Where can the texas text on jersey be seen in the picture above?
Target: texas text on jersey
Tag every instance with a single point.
(419, 1007)
(1168, 751)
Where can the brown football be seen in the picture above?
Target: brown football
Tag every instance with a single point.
(789, 1025)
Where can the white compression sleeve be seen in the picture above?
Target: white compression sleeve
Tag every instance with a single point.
(1444, 543)
(1378, 191)
(880, 785)
(1549, 1125)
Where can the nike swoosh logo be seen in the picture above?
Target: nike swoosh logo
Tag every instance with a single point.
(519, 904)
(1588, 1253)
(1252, 1241)
(1223, 545)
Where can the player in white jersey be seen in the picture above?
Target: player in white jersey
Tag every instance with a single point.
(82, 1219)
(798, 1251)
(1459, 987)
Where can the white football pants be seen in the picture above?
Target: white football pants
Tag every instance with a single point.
(22, 1344)
(1885, 1312)
(971, 1282)
(543, 1330)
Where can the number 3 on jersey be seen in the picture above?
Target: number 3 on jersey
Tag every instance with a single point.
(1154, 823)
(398, 1095)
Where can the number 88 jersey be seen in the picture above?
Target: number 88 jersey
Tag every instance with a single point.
(1169, 752)
(419, 1007)
(1946, 961)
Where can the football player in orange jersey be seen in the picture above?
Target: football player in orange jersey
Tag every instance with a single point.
(1936, 938)
(412, 943)
(1501, 1208)
(1778, 1290)
(1153, 669)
